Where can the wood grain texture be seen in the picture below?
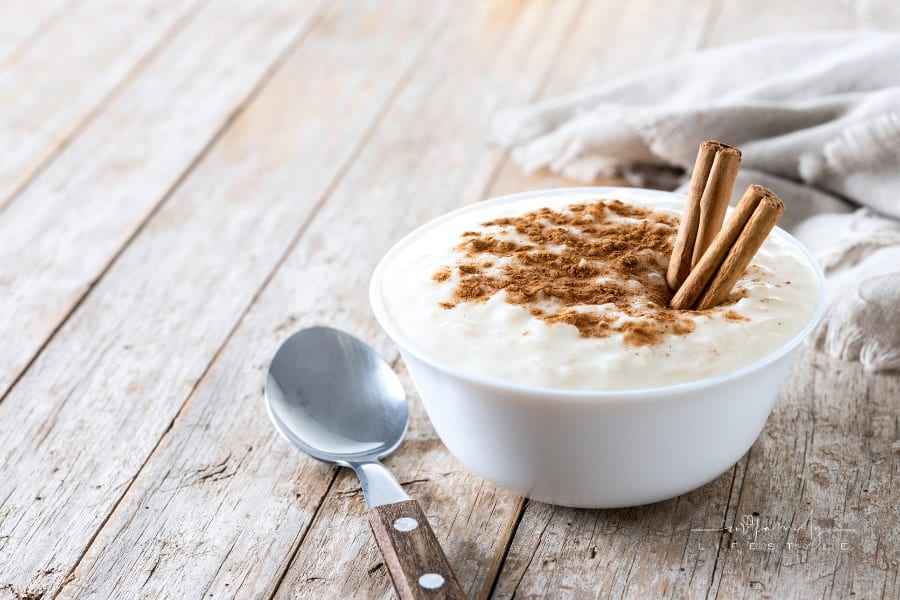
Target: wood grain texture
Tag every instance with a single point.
(563, 552)
(138, 460)
(558, 552)
(809, 513)
(644, 552)
(56, 82)
(175, 294)
(471, 517)
(817, 513)
(339, 557)
(63, 231)
(600, 48)
(222, 451)
(413, 557)
(322, 282)
(315, 572)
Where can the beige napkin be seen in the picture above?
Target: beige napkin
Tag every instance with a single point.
(818, 120)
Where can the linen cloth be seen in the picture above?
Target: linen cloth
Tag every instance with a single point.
(817, 118)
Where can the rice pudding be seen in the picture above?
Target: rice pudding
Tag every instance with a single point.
(569, 292)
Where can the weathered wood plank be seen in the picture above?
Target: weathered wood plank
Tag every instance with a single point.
(641, 552)
(222, 503)
(54, 85)
(472, 517)
(70, 432)
(313, 560)
(339, 558)
(545, 555)
(259, 494)
(325, 279)
(816, 516)
(603, 48)
(63, 231)
(828, 438)
(428, 95)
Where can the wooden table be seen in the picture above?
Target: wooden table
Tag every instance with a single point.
(183, 183)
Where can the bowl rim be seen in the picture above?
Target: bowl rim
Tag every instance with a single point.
(405, 345)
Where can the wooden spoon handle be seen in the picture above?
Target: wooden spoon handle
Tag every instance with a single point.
(412, 553)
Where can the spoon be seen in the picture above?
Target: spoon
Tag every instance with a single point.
(335, 399)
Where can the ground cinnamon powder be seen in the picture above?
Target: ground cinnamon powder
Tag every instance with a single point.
(564, 265)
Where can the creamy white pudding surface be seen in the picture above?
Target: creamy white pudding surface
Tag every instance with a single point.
(571, 299)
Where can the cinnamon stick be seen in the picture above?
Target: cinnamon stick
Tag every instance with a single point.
(711, 280)
(711, 184)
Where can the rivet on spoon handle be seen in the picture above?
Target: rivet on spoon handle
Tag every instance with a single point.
(412, 554)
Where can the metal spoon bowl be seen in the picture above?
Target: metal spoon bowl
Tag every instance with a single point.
(334, 398)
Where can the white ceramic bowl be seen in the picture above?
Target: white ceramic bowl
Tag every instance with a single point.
(601, 449)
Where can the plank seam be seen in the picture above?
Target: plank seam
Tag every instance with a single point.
(364, 140)
(277, 63)
(537, 547)
(312, 22)
(523, 504)
(139, 67)
(540, 88)
(402, 82)
(309, 526)
(722, 549)
(552, 66)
